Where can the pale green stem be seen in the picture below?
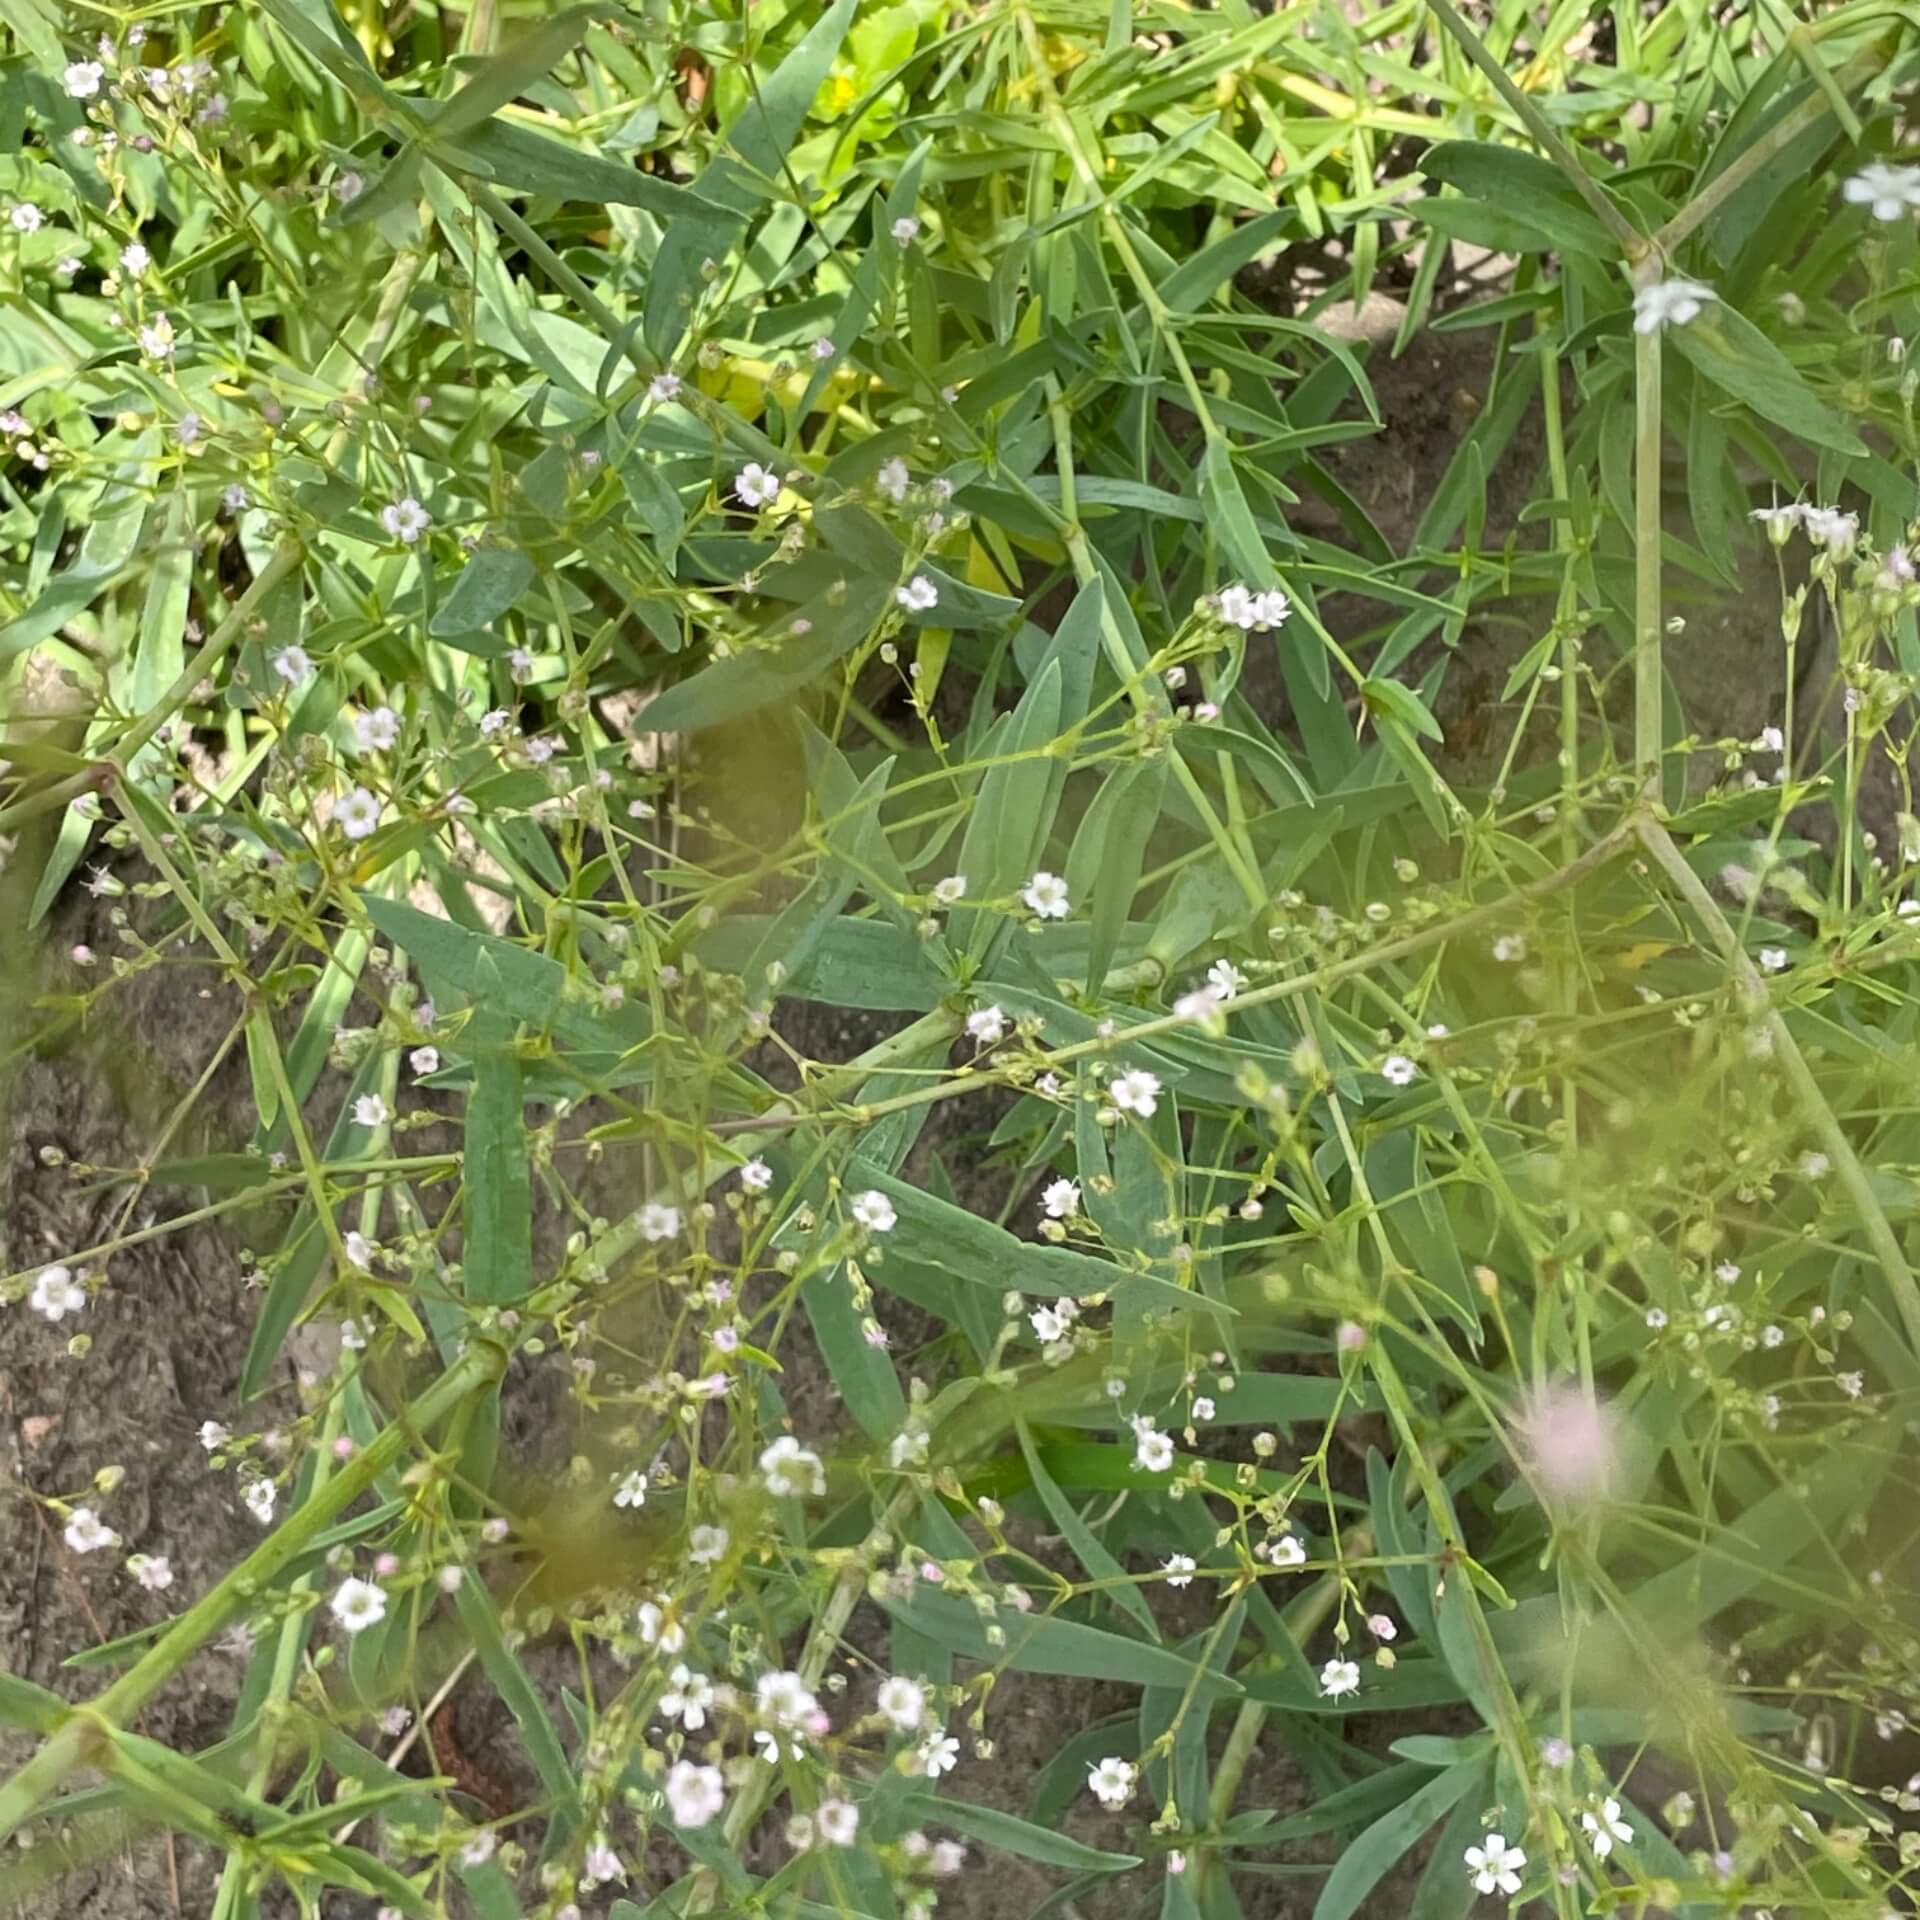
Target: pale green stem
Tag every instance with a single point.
(1647, 704)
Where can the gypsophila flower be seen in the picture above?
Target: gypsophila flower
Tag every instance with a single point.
(1495, 1866)
(1669, 303)
(1179, 1569)
(1382, 1627)
(1829, 527)
(1111, 1781)
(1656, 1318)
(213, 1436)
(695, 1794)
(950, 891)
(789, 1468)
(756, 1176)
(157, 337)
(986, 1026)
(905, 230)
(1604, 1828)
(293, 665)
(823, 349)
(1772, 1336)
(26, 217)
(1773, 959)
(1398, 1071)
(260, 1496)
(85, 1532)
(873, 1210)
(1226, 979)
(351, 1336)
(657, 1222)
(919, 595)
(1288, 1552)
(784, 1698)
(236, 499)
(1203, 1408)
(406, 519)
(1885, 191)
(1853, 1385)
(56, 1293)
(756, 486)
(83, 78)
(631, 1490)
(1508, 948)
(663, 387)
(938, 1753)
(1046, 895)
(154, 1571)
(1339, 1677)
(658, 1628)
(837, 1822)
(1253, 612)
(359, 1249)
(135, 259)
(424, 1060)
(1060, 1199)
(1151, 1449)
(480, 1849)
(370, 1111)
(356, 813)
(688, 1697)
(358, 1604)
(705, 1545)
(1136, 1091)
(893, 480)
(375, 732)
(902, 1703)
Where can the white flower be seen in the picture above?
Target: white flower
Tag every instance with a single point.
(1253, 612)
(919, 595)
(822, 349)
(1203, 1408)
(950, 891)
(375, 732)
(134, 258)
(1236, 607)
(236, 499)
(157, 337)
(784, 1698)
(56, 1294)
(359, 1250)
(480, 1849)
(358, 1604)
(406, 519)
(1508, 948)
(1496, 1865)
(902, 1703)
(1339, 1677)
(370, 1111)
(1202, 1007)
(1180, 1569)
(86, 1534)
(690, 1695)
(600, 1865)
(1046, 895)
(756, 1176)
(1886, 191)
(1136, 1091)
(790, 1468)
(213, 1436)
(1853, 1385)
(1605, 1828)
(894, 479)
(260, 1496)
(905, 230)
(1669, 303)
(1111, 1782)
(695, 1795)
(1832, 529)
(351, 1336)
(657, 1222)
(348, 186)
(658, 1628)
(663, 387)
(356, 813)
(1778, 521)
(424, 1060)
(986, 1026)
(873, 1210)
(1287, 1552)
(756, 486)
(1151, 1449)
(631, 1490)
(1770, 740)
(838, 1823)
(293, 665)
(83, 79)
(1060, 1199)
(154, 1571)
(1398, 1071)
(1226, 979)
(1382, 1627)
(705, 1545)
(938, 1753)
(26, 218)
(1773, 959)
(1049, 1324)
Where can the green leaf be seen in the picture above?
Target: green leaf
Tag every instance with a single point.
(1190, 283)
(1109, 851)
(1010, 1834)
(1370, 1858)
(497, 1261)
(1523, 187)
(1231, 517)
(760, 138)
(1009, 822)
(1116, 1585)
(509, 73)
(862, 1373)
(486, 587)
(519, 160)
(1724, 346)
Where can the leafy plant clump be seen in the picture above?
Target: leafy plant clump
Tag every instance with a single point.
(739, 641)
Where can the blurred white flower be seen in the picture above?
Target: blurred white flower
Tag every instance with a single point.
(1669, 303)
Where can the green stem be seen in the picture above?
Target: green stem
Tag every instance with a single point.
(89, 1730)
(1647, 706)
(1820, 1115)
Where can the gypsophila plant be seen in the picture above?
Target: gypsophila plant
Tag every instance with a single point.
(734, 640)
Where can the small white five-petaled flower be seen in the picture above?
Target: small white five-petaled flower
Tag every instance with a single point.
(873, 1210)
(1495, 1865)
(1605, 1827)
(1136, 1091)
(1670, 303)
(756, 486)
(1885, 191)
(1111, 1781)
(406, 519)
(1046, 895)
(1339, 1677)
(358, 1604)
